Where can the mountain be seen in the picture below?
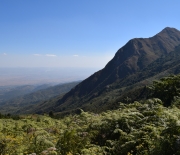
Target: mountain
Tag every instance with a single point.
(11, 92)
(135, 55)
(129, 71)
(41, 93)
(132, 57)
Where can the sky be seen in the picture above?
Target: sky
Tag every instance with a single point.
(77, 33)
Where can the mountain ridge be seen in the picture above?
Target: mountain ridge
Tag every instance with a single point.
(121, 75)
(133, 56)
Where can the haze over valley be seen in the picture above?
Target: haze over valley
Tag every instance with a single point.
(35, 76)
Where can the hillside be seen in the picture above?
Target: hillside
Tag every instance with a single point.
(145, 127)
(30, 99)
(10, 92)
(129, 89)
(139, 128)
(130, 65)
(135, 55)
(124, 78)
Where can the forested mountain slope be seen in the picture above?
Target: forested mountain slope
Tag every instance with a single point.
(23, 103)
(138, 128)
(134, 66)
(135, 55)
(131, 88)
(10, 92)
(132, 58)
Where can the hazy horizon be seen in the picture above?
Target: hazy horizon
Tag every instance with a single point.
(31, 76)
(80, 36)
(43, 33)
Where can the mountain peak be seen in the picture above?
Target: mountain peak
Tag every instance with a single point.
(168, 31)
(134, 56)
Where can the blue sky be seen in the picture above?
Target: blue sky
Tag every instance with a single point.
(77, 33)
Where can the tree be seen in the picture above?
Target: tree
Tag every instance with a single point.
(51, 114)
(166, 89)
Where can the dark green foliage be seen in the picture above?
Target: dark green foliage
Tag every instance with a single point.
(166, 89)
(51, 114)
(169, 141)
(2, 147)
(70, 141)
(9, 116)
(146, 128)
(139, 128)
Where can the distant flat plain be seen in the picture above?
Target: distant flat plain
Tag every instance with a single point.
(31, 76)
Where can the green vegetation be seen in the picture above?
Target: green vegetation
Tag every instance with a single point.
(22, 104)
(167, 89)
(138, 128)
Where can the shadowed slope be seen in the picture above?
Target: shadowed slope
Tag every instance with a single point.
(135, 55)
(132, 58)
